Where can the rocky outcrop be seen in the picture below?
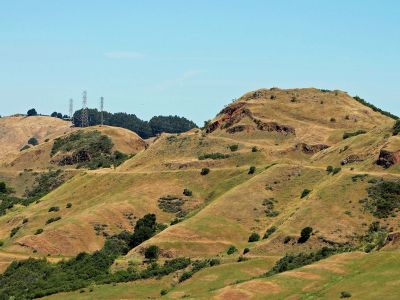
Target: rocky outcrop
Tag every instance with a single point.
(273, 126)
(310, 149)
(388, 158)
(351, 159)
(234, 113)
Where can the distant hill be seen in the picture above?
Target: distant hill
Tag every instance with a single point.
(145, 129)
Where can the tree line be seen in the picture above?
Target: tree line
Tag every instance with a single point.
(145, 129)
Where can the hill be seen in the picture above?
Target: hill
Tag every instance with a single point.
(15, 131)
(269, 167)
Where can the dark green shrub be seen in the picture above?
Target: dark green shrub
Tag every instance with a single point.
(14, 231)
(187, 192)
(329, 169)
(269, 231)
(25, 220)
(33, 141)
(51, 220)
(347, 135)
(214, 262)
(383, 198)
(254, 149)
(305, 234)
(254, 237)
(332, 120)
(185, 276)
(374, 108)
(305, 193)
(216, 155)
(252, 170)
(287, 239)
(38, 231)
(246, 250)
(242, 258)
(204, 171)
(176, 221)
(1, 243)
(69, 205)
(24, 148)
(234, 148)
(3, 187)
(293, 261)
(45, 183)
(163, 292)
(152, 252)
(336, 170)
(345, 294)
(54, 208)
(232, 249)
(396, 128)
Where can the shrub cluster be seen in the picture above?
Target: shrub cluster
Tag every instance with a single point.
(46, 278)
(269, 204)
(294, 261)
(197, 266)
(215, 155)
(396, 128)
(383, 198)
(347, 135)
(90, 149)
(269, 231)
(374, 108)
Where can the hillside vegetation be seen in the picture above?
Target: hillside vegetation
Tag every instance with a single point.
(285, 193)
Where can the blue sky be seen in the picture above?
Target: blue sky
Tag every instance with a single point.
(192, 57)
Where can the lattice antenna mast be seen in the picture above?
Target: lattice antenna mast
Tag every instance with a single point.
(101, 109)
(84, 113)
(71, 108)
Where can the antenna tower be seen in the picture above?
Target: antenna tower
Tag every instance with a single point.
(71, 108)
(101, 110)
(84, 112)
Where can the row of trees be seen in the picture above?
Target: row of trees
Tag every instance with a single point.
(145, 129)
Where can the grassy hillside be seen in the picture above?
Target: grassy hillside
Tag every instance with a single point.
(16, 131)
(244, 188)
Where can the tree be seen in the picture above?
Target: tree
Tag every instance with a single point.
(252, 170)
(152, 252)
(254, 237)
(205, 171)
(31, 112)
(305, 234)
(33, 141)
(54, 114)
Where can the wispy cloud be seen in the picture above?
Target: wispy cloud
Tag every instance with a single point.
(124, 55)
(179, 81)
